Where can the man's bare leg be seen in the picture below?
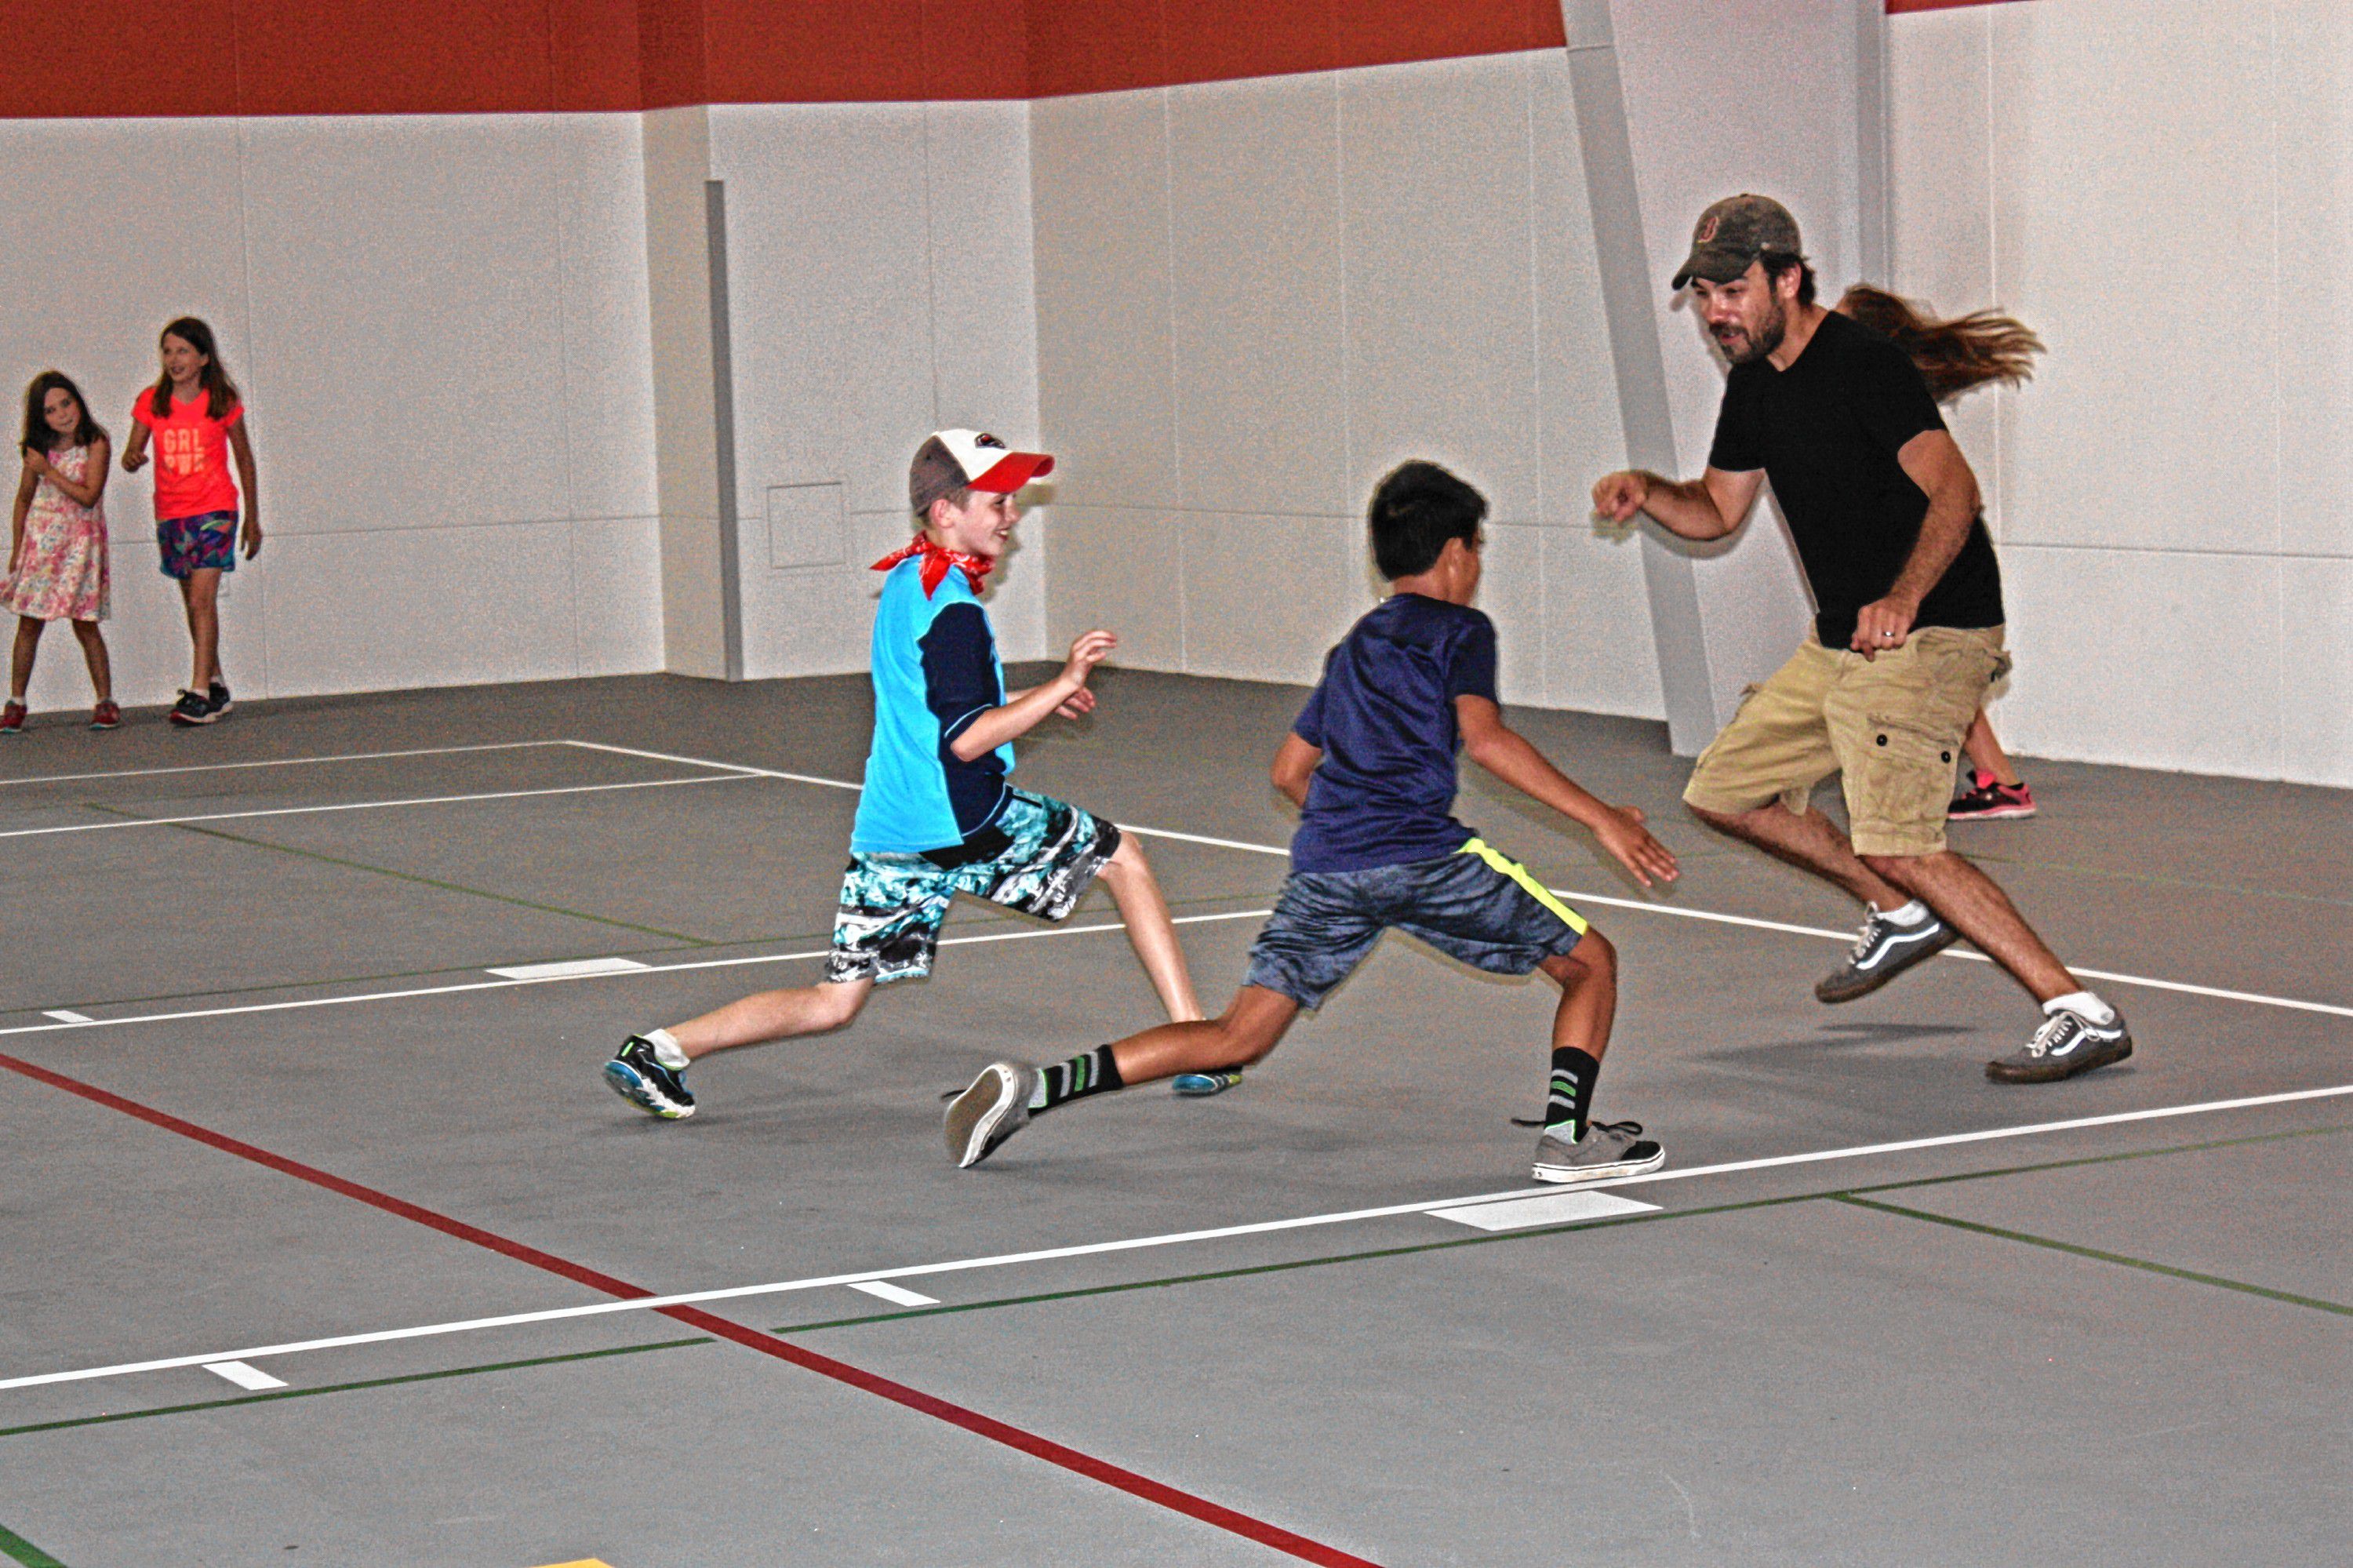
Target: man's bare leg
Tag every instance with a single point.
(773, 1015)
(1128, 877)
(1810, 842)
(1971, 903)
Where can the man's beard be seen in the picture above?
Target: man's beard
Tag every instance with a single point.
(1767, 338)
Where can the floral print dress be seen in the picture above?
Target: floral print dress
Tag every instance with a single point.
(61, 569)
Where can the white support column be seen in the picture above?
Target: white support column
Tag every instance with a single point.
(1680, 102)
(693, 411)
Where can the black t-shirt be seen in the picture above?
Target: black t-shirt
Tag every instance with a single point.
(1825, 432)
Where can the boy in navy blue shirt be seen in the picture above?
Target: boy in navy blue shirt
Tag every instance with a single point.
(937, 816)
(1371, 763)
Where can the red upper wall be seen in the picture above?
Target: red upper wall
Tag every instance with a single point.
(116, 57)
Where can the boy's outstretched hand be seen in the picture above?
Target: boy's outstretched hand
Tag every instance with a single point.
(1087, 650)
(1621, 833)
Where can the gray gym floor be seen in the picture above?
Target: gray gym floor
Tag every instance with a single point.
(1877, 1309)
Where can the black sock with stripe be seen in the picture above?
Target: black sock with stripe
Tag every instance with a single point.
(1088, 1073)
(1572, 1073)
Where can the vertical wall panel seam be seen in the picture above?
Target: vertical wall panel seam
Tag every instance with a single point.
(2003, 392)
(563, 367)
(2279, 395)
(1340, 226)
(1176, 386)
(1529, 75)
(932, 264)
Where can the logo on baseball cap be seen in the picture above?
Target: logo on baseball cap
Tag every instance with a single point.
(1735, 232)
(950, 460)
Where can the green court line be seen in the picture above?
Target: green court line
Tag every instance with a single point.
(1211, 1276)
(407, 876)
(2099, 1255)
(24, 1551)
(2158, 879)
(265, 1398)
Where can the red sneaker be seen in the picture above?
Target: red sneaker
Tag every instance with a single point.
(1992, 800)
(106, 716)
(12, 718)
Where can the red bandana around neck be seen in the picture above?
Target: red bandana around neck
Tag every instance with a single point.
(937, 559)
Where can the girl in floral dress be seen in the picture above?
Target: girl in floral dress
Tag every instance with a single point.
(57, 551)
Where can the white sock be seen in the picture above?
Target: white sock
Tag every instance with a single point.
(2084, 1002)
(667, 1050)
(1912, 914)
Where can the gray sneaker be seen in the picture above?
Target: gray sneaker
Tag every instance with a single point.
(992, 1110)
(1608, 1148)
(2067, 1043)
(1883, 951)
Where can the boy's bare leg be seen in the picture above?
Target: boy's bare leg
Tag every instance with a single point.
(1589, 995)
(1243, 1034)
(1810, 842)
(1128, 875)
(1971, 903)
(773, 1015)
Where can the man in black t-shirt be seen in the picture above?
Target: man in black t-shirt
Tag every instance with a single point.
(1907, 627)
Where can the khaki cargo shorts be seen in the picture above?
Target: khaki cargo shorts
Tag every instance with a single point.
(1890, 726)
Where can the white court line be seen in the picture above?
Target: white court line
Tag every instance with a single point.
(253, 1380)
(600, 973)
(1552, 1209)
(367, 805)
(68, 1015)
(1711, 916)
(571, 969)
(283, 762)
(1134, 1243)
(897, 1295)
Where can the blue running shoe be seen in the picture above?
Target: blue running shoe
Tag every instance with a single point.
(1200, 1085)
(638, 1077)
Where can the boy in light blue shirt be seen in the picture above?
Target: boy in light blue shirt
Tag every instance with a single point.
(937, 815)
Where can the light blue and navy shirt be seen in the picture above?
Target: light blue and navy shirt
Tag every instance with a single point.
(935, 671)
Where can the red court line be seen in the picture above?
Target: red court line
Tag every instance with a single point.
(972, 1421)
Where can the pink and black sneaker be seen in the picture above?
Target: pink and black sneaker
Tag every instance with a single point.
(1992, 801)
(12, 718)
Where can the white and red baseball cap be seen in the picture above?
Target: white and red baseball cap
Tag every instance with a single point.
(950, 460)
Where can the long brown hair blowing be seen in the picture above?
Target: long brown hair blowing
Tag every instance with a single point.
(219, 390)
(38, 435)
(1955, 355)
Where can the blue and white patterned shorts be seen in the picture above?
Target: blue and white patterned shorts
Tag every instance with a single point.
(1038, 857)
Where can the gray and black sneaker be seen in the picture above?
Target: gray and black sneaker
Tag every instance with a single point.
(992, 1110)
(1883, 951)
(2067, 1043)
(1200, 1085)
(191, 709)
(217, 698)
(1608, 1148)
(638, 1077)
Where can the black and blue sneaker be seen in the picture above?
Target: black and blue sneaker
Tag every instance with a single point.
(638, 1077)
(1200, 1085)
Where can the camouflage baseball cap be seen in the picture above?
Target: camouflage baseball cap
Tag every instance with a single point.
(1735, 232)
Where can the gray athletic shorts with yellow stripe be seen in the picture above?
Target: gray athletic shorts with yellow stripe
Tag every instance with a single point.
(1474, 905)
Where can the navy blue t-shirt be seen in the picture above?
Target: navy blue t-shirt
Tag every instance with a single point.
(1382, 716)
